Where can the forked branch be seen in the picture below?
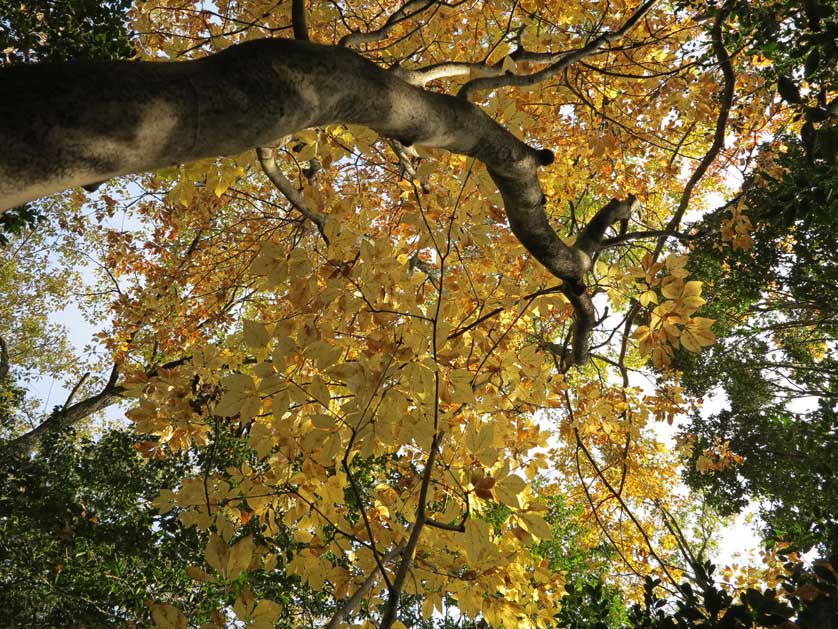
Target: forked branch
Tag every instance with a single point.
(112, 118)
(510, 79)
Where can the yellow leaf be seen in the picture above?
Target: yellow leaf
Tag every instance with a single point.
(693, 302)
(168, 617)
(200, 575)
(244, 605)
(672, 289)
(648, 297)
(692, 289)
(232, 403)
(238, 382)
(690, 342)
(675, 262)
(220, 188)
(239, 558)
(269, 562)
(216, 553)
(508, 488)
(256, 335)
(323, 422)
(697, 334)
(536, 525)
(165, 502)
(323, 354)
(461, 379)
(477, 439)
(265, 614)
(319, 391)
(475, 540)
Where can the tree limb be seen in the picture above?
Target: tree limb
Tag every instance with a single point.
(267, 158)
(590, 239)
(69, 415)
(77, 123)
(353, 601)
(298, 20)
(726, 66)
(388, 616)
(406, 11)
(566, 60)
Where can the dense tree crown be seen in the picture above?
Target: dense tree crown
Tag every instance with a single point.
(398, 297)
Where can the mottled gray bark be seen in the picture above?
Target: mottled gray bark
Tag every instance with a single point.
(76, 124)
(70, 414)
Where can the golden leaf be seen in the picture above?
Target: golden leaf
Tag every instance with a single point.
(168, 617)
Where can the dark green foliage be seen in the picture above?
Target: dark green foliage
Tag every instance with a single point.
(80, 543)
(809, 601)
(15, 221)
(777, 311)
(590, 602)
(11, 396)
(61, 30)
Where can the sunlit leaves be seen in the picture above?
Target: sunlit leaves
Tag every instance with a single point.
(256, 335)
(535, 525)
(419, 319)
(508, 489)
(671, 323)
(241, 397)
(697, 333)
(229, 562)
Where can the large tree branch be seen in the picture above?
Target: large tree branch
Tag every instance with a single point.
(591, 238)
(70, 414)
(72, 124)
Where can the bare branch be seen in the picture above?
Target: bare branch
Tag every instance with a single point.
(566, 60)
(267, 158)
(460, 527)
(642, 235)
(448, 70)
(298, 20)
(408, 10)
(388, 616)
(726, 66)
(70, 415)
(353, 601)
(76, 388)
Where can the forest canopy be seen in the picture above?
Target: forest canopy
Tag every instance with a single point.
(464, 313)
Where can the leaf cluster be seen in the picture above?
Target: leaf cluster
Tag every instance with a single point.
(60, 30)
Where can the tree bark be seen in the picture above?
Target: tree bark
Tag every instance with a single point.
(70, 414)
(73, 124)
